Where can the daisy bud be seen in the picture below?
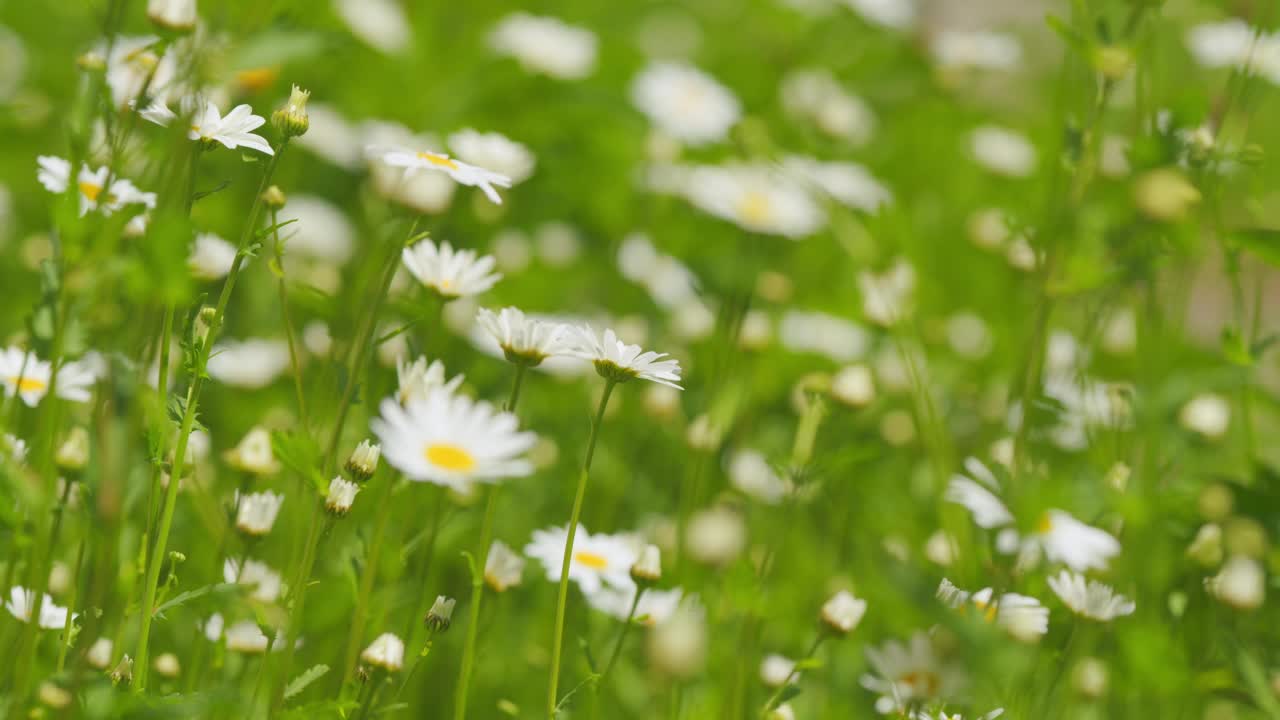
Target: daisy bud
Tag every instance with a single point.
(1112, 61)
(167, 665)
(386, 652)
(204, 322)
(73, 454)
(123, 671)
(291, 120)
(257, 513)
(503, 568)
(364, 460)
(53, 696)
(1165, 195)
(648, 568)
(441, 614)
(842, 613)
(273, 197)
(175, 16)
(1241, 583)
(776, 670)
(340, 497)
(99, 654)
(253, 455)
(1090, 678)
(854, 386)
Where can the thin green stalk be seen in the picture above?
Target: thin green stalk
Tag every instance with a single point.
(514, 397)
(477, 594)
(289, 333)
(622, 637)
(301, 582)
(777, 695)
(416, 626)
(367, 577)
(188, 422)
(557, 642)
(71, 606)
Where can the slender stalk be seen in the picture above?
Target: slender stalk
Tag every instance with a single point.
(71, 606)
(367, 578)
(188, 422)
(777, 695)
(557, 641)
(622, 637)
(301, 580)
(477, 594)
(514, 397)
(289, 334)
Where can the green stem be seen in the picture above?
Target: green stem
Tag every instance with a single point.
(71, 606)
(367, 578)
(557, 642)
(289, 332)
(622, 637)
(301, 582)
(477, 594)
(515, 388)
(777, 695)
(188, 422)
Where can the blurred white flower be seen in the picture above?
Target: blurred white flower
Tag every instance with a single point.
(558, 243)
(211, 257)
(716, 536)
(252, 363)
(968, 335)
(22, 602)
(678, 647)
(775, 670)
(1089, 598)
(886, 296)
(848, 183)
(976, 49)
(173, 15)
(503, 568)
(133, 64)
(656, 606)
(1003, 151)
(597, 561)
(29, 377)
(331, 137)
(452, 440)
(265, 582)
(1231, 42)
(854, 385)
(1021, 616)
(319, 229)
(752, 475)
(815, 95)
(99, 653)
(256, 513)
(13, 63)
(895, 14)
(1207, 414)
(910, 674)
(1242, 583)
(448, 272)
(669, 282)
(685, 103)
(460, 172)
(546, 45)
(386, 651)
(839, 339)
(842, 612)
(54, 174)
(253, 454)
(495, 152)
(380, 23)
(757, 198)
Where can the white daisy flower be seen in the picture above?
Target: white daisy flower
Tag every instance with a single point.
(655, 606)
(814, 94)
(208, 125)
(251, 363)
(253, 453)
(265, 582)
(1073, 543)
(842, 612)
(893, 14)
(380, 23)
(886, 296)
(386, 652)
(546, 45)
(976, 49)
(133, 64)
(29, 377)
(211, 257)
(848, 183)
(597, 561)
(619, 362)
(256, 512)
(452, 440)
(425, 192)
(173, 15)
(1021, 616)
(1241, 583)
(757, 198)
(451, 273)
(459, 171)
(1207, 414)
(495, 151)
(923, 715)
(420, 379)
(987, 509)
(685, 103)
(775, 670)
(503, 568)
(910, 674)
(54, 174)
(341, 496)
(22, 601)
(752, 475)
(243, 636)
(835, 337)
(1089, 598)
(524, 340)
(1222, 44)
(1003, 151)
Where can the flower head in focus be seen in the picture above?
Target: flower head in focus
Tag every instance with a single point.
(210, 127)
(619, 362)
(597, 561)
(524, 340)
(448, 272)
(460, 172)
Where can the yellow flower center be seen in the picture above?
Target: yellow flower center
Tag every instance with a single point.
(591, 560)
(440, 160)
(28, 384)
(90, 190)
(450, 457)
(1045, 524)
(257, 78)
(988, 610)
(922, 682)
(755, 208)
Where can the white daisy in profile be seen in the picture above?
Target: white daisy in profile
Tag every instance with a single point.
(1090, 598)
(54, 174)
(546, 45)
(848, 183)
(29, 377)
(494, 151)
(597, 560)
(1021, 616)
(685, 103)
(419, 379)
(450, 273)
(1075, 544)
(757, 198)
(619, 362)
(256, 512)
(211, 257)
(22, 601)
(503, 568)
(978, 498)
(910, 674)
(460, 172)
(265, 582)
(452, 440)
(209, 125)
(524, 340)
(655, 606)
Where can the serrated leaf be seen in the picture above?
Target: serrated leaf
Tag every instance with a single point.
(300, 683)
(185, 597)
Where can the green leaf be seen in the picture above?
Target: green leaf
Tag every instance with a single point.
(182, 598)
(300, 683)
(299, 452)
(1263, 242)
(1255, 678)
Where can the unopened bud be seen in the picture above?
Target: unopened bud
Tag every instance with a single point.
(291, 120)
(1206, 548)
(73, 453)
(842, 613)
(1090, 678)
(441, 614)
(648, 568)
(53, 696)
(273, 197)
(123, 671)
(1112, 61)
(175, 16)
(340, 497)
(167, 665)
(386, 652)
(363, 462)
